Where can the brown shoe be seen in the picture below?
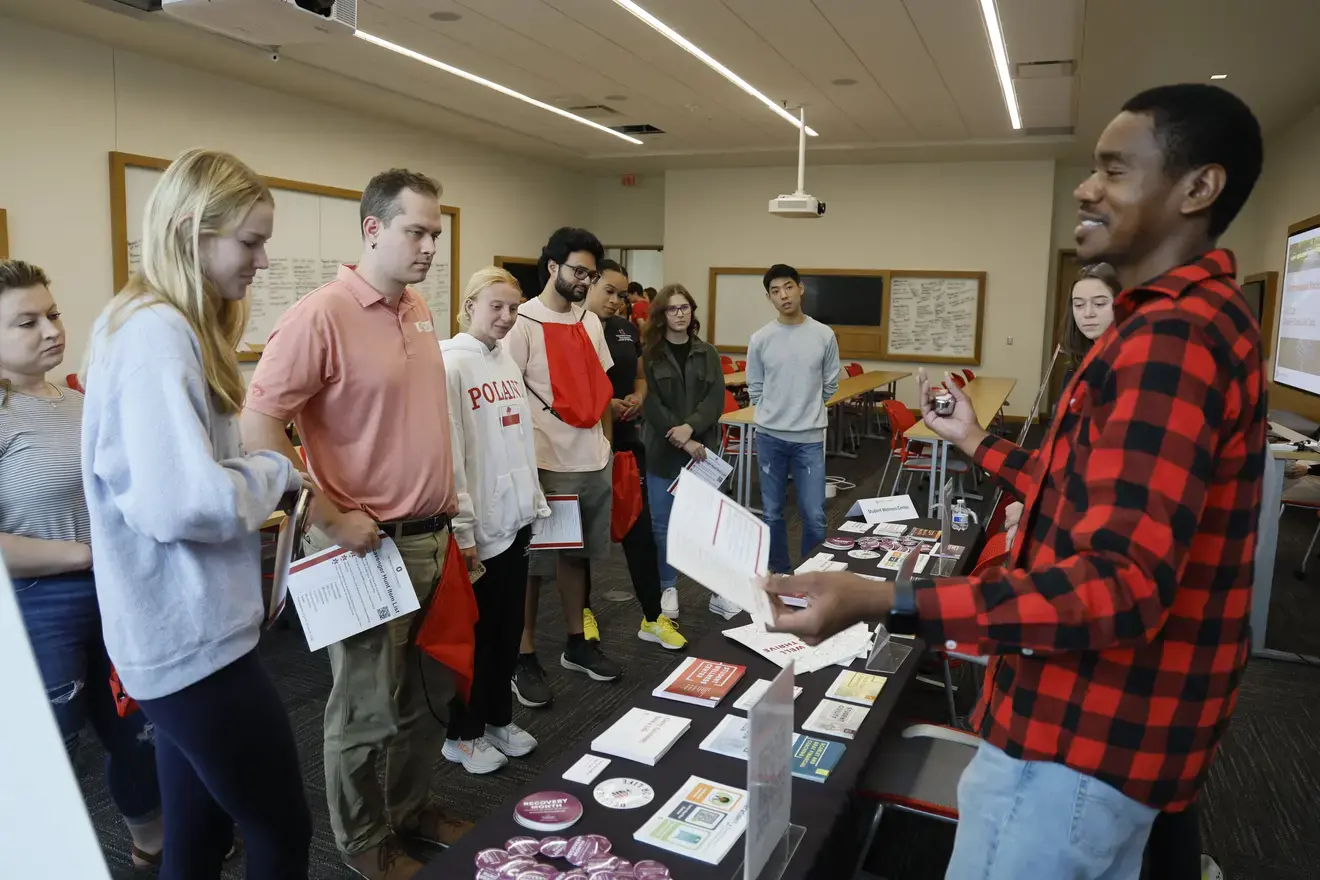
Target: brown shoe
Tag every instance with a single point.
(438, 828)
(386, 862)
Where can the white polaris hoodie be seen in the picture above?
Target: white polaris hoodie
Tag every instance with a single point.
(490, 421)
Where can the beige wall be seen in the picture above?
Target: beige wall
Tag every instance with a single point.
(982, 216)
(72, 101)
(628, 216)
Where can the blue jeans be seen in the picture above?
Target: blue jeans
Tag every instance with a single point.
(661, 502)
(1036, 819)
(806, 461)
(63, 624)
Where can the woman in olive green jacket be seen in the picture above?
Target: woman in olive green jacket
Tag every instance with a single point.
(683, 404)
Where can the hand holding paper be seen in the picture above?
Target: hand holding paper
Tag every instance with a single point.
(720, 544)
(835, 601)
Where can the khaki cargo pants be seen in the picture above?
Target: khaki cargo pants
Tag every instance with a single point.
(378, 704)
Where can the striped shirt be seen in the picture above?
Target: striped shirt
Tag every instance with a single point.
(41, 490)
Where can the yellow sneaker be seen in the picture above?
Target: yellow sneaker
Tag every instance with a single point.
(663, 632)
(590, 631)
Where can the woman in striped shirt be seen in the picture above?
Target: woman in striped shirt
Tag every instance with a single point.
(46, 544)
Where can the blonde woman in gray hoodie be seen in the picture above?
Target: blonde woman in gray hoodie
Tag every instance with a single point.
(498, 498)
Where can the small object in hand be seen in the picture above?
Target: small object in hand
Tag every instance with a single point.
(944, 404)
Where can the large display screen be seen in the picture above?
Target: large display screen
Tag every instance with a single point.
(1297, 348)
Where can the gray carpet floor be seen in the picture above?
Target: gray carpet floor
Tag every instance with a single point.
(1258, 816)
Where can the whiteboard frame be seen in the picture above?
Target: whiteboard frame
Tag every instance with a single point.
(975, 359)
(120, 162)
(846, 331)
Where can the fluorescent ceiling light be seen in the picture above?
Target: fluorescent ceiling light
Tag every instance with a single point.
(1219, 76)
(688, 46)
(482, 81)
(996, 36)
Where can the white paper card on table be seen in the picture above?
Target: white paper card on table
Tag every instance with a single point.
(754, 693)
(586, 769)
(562, 530)
(703, 820)
(338, 594)
(833, 718)
(852, 525)
(721, 545)
(769, 773)
(892, 508)
(712, 469)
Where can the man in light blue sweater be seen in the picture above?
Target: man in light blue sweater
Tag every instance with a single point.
(792, 369)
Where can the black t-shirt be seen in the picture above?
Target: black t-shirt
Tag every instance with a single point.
(625, 344)
(680, 351)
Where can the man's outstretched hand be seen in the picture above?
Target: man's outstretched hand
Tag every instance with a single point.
(962, 427)
(835, 601)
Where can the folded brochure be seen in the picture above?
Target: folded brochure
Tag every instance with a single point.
(703, 820)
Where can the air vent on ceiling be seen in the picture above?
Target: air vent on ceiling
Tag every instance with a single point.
(593, 111)
(1043, 69)
(636, 129)
(1049, 131)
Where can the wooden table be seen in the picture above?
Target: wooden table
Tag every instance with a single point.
(861, 385)
(1267, 539)
(987, 395)
(732, 379)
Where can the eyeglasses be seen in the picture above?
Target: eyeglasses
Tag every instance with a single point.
(582, 273)
(678, 310)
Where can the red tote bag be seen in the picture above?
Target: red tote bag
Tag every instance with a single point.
(627, 502)
(447, 633)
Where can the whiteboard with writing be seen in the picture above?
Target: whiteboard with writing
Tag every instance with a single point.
(934, 319)
(314, 234)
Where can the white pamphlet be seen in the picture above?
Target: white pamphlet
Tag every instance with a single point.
(852, 525)
(892, 508)
(720, 545)
(755, 692)
(703, 820)
(586, 769)
(833, 718)
(782, 649)
(339, 594)
(713, 469)
(562, 529)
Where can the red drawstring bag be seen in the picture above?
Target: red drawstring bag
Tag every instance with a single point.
(447, 631)
(627, 505)
(579, 388)
(124, 704)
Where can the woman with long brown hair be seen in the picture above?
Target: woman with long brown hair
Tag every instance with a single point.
(682, 408)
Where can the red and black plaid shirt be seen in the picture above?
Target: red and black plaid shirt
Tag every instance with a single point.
(1122, 620)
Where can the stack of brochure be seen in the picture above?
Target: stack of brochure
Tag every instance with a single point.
(641, 736)
(842, 648)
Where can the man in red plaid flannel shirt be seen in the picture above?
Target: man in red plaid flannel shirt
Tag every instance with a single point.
(1118, 631)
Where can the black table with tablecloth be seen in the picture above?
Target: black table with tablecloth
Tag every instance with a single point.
(824, 809)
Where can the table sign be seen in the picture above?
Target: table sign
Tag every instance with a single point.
(771, 838)
(894, 508)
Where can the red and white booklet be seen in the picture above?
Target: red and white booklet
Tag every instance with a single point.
(701, 682)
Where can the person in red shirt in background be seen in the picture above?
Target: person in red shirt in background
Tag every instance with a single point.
(1119, 627)
(639, 307)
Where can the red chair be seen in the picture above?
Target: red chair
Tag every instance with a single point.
(728, 445)
(853, 369)
(727, 366)
(72, 381)
(726, 360)
(994, 553)
(741, 365)
(911, 456)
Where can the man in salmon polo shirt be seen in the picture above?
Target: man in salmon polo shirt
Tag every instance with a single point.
(356, 366)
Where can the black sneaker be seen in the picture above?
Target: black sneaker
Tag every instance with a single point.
(584, 656)
(528, 682)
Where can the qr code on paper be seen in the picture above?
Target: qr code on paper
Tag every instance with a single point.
(383, 613)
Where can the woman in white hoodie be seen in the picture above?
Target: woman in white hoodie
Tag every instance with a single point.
(498, 497)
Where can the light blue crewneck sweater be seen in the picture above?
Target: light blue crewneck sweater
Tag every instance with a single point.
(792, 369)
(175, 507)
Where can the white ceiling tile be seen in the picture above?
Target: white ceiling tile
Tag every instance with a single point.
(954, 35)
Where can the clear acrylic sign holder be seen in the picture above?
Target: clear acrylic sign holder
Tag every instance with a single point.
(887, 655)
(771, 839)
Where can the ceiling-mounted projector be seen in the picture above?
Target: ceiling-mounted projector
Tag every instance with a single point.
(799, 204)
(268, 22)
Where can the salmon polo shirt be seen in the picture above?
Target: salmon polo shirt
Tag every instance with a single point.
(364, 382)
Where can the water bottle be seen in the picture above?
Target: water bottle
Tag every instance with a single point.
(961, 516)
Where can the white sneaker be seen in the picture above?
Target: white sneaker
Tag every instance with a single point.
(1210, 869)
(723, 607)
(476, 755)
(511, 739)
(669, 602)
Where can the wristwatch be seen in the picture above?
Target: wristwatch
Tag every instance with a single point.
(903, 616)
